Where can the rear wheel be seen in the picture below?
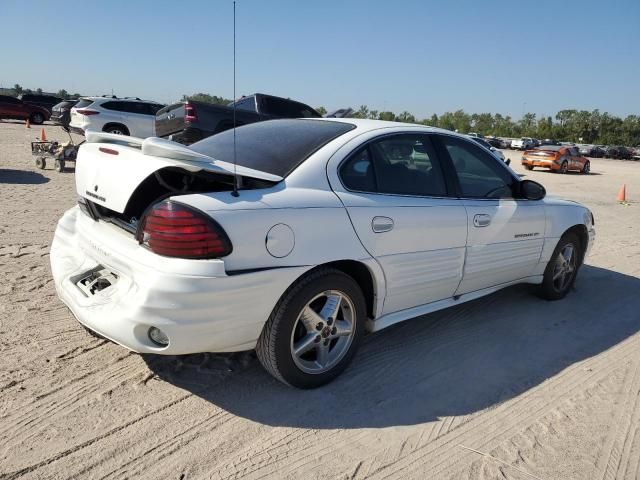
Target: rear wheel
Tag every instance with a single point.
(564, 168)
(561, 271)
(37, 118)
(117, 130)
(529, 167)
(41, 163)
(587, 168)
(314, 330)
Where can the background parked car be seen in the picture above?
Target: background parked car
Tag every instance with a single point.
(524, 143)
(61, 112)
(45, 101)
(191, 121)
(490, 147)
(14, 108)
(549, 141)
(618, 152)
(122, 116)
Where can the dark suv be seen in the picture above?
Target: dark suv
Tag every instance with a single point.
(11, 107)
(44, 101)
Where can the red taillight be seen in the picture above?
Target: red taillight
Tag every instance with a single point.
(84, 111)
(190, 113)
(175, 230)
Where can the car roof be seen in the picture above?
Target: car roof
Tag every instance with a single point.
(366, 125)
(94, 98)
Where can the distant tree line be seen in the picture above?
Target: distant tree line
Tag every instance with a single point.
(579, 126)
(18, 89)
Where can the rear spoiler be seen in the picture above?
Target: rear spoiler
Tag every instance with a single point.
(159, 147)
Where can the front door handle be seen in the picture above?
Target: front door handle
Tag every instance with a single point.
(481, 220)
(381, 224)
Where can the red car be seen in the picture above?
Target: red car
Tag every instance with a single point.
(15, 108)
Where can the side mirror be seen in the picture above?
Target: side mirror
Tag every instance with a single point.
(532, 190)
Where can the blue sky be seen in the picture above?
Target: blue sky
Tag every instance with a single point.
(422, 56)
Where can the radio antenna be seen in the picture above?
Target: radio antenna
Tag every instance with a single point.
(235, 174)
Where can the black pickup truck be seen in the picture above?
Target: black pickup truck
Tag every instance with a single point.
(189, 121)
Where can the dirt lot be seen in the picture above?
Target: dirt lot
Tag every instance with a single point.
(546, 390)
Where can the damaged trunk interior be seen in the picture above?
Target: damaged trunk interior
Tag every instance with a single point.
(162, 184)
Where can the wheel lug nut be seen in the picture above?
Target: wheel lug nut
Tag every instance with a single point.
(329, 321)
(326, 342)
(319, 326)
(318, 338)
(334, 330)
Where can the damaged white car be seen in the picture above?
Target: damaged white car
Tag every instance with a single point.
(338, 226)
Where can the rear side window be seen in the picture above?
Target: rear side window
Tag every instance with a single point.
(479, 173)
(399, 165)
(274, 146)
(84, 102)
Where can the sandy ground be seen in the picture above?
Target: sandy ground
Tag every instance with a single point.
(546, 390)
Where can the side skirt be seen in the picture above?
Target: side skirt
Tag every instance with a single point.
(397, 317)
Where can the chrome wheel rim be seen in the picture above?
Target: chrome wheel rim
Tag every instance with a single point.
(564, 167)
(323, 332)
(587, 167)
(564, 267)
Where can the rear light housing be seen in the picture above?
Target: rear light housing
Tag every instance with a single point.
(190, 113)
(172, 229)
(84, 111)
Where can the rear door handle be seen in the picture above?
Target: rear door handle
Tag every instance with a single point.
(481, 220)
(381, 224)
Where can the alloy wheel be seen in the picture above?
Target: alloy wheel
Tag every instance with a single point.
(323, 332)
(564, 268)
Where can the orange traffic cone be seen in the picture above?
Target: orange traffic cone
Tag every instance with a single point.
(28, 124)
(43, 136)
(622, 194)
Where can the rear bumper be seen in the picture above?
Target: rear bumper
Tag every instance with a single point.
(540, 163)
(198, 306)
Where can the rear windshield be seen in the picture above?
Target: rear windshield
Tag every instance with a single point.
(275, 146)
(84, 102)
(551, 148)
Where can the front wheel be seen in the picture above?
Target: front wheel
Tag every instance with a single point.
(314, 329)
(587, 168)
(37, 118)
(561, 271)
(529, 167)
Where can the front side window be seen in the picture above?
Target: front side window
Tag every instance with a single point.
(400, 164)
(479, 173)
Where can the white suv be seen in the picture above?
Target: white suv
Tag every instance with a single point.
(123, 116)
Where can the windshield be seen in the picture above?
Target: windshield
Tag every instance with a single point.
(275, 146)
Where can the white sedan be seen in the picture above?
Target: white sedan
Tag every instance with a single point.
(337, 226)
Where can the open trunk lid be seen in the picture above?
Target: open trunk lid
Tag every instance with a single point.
(112, 168)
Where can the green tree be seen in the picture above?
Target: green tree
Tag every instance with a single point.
(321, 110)
(17, 89)
(406, 117)
(373, 114)
(389, 116)
(205, 97)
(63, 94)
(39, 91)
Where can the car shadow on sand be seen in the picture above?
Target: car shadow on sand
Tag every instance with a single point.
(454, 362)
(21, 177)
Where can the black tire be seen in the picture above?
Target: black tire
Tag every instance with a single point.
(587, 168)
(550, 290)
(59, 166)
(117, 129)
(36, 118)
(274, 345)
(529, 167)
(564, 167)
(41, 163)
